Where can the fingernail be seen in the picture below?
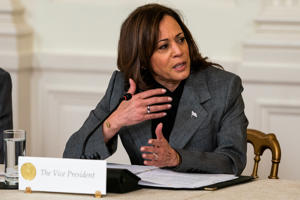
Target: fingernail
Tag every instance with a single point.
(170, 99)
(164, 114)
(169, 105)
(142, 149)
(164, 90)
(149, 141)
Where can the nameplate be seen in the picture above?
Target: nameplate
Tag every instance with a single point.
(62, 175)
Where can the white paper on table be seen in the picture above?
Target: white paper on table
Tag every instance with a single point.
(171, 179)
(135, 169)
(154, 176)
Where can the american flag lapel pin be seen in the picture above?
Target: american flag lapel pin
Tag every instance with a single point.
(194, 115)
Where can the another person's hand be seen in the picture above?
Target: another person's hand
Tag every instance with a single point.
(160, 154)
(139, 108)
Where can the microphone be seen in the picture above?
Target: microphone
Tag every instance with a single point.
(126, 97)
(96, 155)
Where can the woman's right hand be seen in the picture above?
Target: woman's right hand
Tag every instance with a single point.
(135, 110)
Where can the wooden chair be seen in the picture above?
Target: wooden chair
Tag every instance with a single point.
(261, 142)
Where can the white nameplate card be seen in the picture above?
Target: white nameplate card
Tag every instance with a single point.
(62, 175)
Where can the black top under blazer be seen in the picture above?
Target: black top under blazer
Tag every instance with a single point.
(209, 131)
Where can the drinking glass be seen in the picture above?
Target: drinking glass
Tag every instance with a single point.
(14, 146)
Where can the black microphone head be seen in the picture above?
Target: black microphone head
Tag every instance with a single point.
(127, 97)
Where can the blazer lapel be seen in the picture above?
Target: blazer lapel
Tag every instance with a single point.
(190, 114)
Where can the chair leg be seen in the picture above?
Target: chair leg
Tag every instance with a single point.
(274, 170)
(255, 168)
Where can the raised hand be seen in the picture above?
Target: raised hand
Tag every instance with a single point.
(160, 153)
(135, 110)
(139, 108)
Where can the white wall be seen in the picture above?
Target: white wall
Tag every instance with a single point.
(74, 53)
(92, 27)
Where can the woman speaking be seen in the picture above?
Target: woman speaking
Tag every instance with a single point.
(178, 110)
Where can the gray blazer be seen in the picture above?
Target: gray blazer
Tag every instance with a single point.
(209, 131)
(5, 107)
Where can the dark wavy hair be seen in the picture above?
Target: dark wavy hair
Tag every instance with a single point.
(138, 39)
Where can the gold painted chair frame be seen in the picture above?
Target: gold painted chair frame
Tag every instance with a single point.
(260, 142)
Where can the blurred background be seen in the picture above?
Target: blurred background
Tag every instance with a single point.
(61, 53)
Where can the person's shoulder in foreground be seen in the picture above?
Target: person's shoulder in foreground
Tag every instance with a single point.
(5, 106)
(5, 84)
(3, 74)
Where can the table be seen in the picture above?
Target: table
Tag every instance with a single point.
(260, 189)
(263, 189)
